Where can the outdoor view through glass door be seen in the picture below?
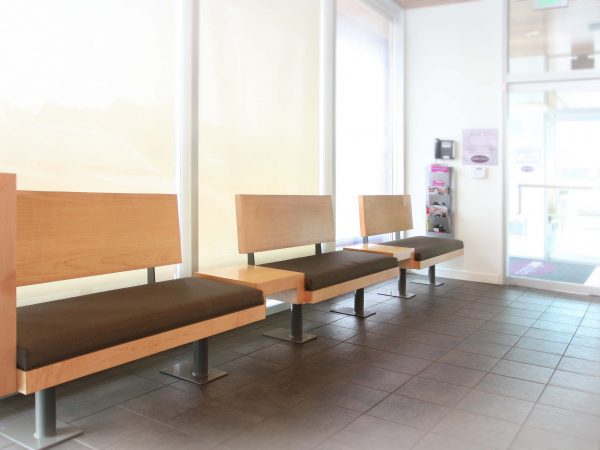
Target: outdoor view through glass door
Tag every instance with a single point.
(554, 184)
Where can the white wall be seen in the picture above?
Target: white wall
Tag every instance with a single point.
(453, 82)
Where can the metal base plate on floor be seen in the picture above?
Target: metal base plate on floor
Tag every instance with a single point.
(284, 335)
(426, 282)
(22, 431)
(183, 371)
(397, 294)
(350, 312)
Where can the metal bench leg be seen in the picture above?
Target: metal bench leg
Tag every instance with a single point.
(197, 370)
(41, 431)
(359, 306)
(431, 278)
(297, 334)
(401, 292)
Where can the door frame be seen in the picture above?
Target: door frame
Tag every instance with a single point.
(532, 282)
(527, 82)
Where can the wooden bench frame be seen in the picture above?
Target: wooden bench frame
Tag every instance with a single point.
(51, 236)
(381, 214)
(273, 222)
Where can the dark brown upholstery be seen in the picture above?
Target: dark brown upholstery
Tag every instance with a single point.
(329, 269)
(55, 331)
(428, 247)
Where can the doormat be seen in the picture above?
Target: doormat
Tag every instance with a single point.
(550, 270)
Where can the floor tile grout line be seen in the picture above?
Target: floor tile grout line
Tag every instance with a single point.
(561, 358)
(536, 403)
(159, 422)
(511, 347)
(532, 408)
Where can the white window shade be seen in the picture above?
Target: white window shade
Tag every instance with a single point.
(364, 101)
(259, 113)
(87, 104)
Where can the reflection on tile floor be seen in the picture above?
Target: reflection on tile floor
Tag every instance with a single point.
(461, 366)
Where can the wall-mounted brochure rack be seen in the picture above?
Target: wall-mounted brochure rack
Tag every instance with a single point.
(439, 201)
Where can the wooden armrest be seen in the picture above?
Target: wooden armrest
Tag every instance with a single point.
(400, 253)
(268, 280)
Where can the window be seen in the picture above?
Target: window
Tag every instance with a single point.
(364, 110)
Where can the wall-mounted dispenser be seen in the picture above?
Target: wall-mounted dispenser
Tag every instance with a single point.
(445, 149)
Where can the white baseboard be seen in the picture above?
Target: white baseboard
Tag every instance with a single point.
(480, 277)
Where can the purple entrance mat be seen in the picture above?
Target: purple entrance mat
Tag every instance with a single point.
(550, 270)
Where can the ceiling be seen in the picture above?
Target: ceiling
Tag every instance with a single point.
(554, 32)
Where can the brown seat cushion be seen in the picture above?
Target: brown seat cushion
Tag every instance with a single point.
(328, 269)
(428, 247)
(55, 331)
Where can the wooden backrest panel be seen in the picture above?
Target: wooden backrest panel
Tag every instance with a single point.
(64, 235)
(384, 214)
(271, 222)
(8, 289)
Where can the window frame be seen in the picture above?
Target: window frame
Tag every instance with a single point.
(327, 149)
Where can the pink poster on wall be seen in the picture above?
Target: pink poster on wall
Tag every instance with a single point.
(480, 147)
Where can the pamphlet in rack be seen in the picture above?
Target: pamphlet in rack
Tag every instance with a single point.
(439, 201)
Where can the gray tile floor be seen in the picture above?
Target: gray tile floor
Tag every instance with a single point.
(462, 366)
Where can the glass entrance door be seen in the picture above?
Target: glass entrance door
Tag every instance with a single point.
(554, 185)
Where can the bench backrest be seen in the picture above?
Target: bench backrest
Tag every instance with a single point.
(271, 222)
(65, 235)
(384, 214)
(52, 236)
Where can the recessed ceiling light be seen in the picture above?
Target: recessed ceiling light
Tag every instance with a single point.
(533, 33)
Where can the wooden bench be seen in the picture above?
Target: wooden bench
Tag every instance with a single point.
(272, 222)
(52, 236)
(381, 214)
